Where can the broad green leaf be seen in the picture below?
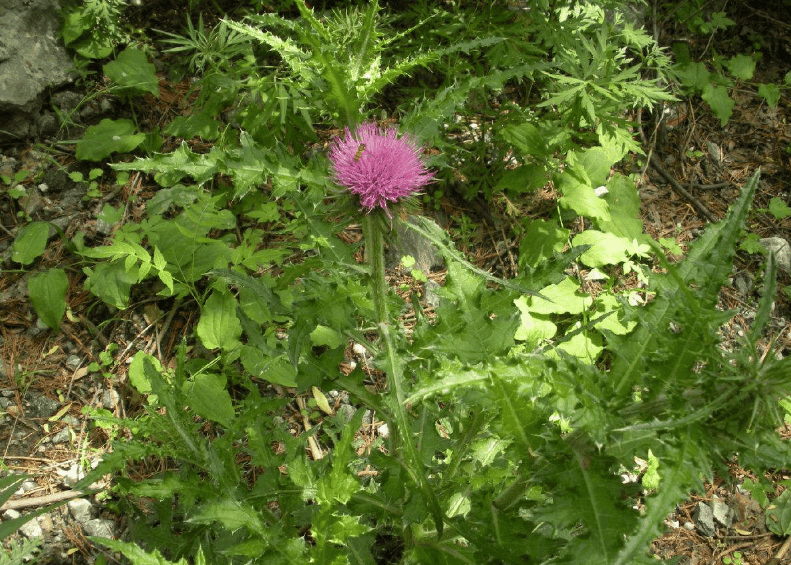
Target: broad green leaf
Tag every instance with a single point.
(605, 248)
(579, 196)
(218, 326)
(109, 136)
(778, 514)
(770, 93)
(526, 138)
(200, 124)
(323, 335)
(47, 293)
(533, 328)
(541, 240)
(719, 101)
(111, 281)
(778, 208)
(207, 394)
(95, 46)
(741, 66)
(276, 370)
(623, 200)
(132, 72)
(30, 242)
(527, 178)
(138, 376)
(695, 75)
(564, 298)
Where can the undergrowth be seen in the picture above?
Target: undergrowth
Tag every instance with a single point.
(514, 410)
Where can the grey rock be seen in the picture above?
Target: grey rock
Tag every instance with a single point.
(66, 101)
(42, 406)
(63, 436)
(73, 361)
(432, 293)
(782, 251)
(98, 527)
(110, 399)
(704, 519)
(347, 412)
(57, 179)
(32, 59)
(722, 513)
(81, 510)
(32, 529)
(72, 475)
(47, 125)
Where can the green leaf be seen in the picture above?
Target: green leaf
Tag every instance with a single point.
(741, 66)
(564, 298)
(276, 370)
(132, 72)
(47, 293)
(30, 242)
(323, 335)
(623, 200)
(695, 75)
(778, 514)
(541, 240)
(109, 136)
(208, 396)
(770, 93)
(218, 326)
(719, 101)
(779, 209)
(138, 371)
(527, 138)
(95, 46)
(111, 281)
(605, 248)
(139, 556)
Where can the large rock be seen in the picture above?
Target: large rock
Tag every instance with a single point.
(32, 59)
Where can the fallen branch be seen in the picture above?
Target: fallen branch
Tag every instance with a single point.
(33, 501)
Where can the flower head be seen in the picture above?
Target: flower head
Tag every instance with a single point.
(378, 166)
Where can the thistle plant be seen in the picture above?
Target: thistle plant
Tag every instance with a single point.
(380, 167)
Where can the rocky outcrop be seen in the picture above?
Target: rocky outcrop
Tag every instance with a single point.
(32, 60)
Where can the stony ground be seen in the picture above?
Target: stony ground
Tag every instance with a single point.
(46, 385)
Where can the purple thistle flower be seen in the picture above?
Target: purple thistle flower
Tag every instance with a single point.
(378, 166)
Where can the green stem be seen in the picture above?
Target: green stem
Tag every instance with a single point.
(374, 251)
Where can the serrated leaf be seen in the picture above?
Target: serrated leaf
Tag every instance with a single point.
(741, 66)
(219, 326)
(718, 100)
(139, 556)
(778, 208)
(208, 396)
(30, 242)
(132, 72)
(770, 93)
(109, 136)
(47, 293)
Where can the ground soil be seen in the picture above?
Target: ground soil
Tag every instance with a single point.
(692, 146)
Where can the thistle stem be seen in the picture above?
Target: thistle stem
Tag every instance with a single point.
(374, 251)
